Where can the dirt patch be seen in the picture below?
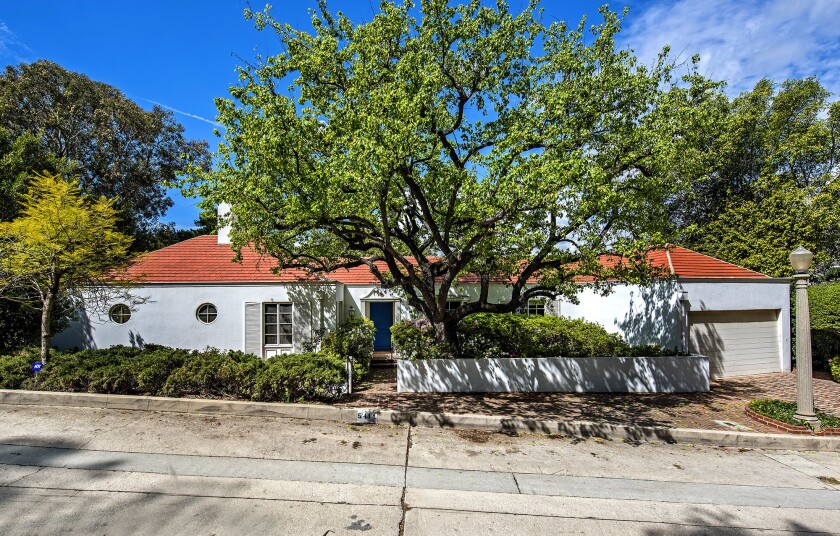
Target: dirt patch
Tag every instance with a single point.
(476, 436)
(829, 480)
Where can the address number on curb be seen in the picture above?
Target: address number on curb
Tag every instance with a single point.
(366, 416)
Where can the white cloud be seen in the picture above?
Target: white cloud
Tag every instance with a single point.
(171, 109)
(11, 47)
(742, 41)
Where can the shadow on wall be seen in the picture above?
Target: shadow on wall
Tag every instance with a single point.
(655, 316)
(314, 311)
(705, 340)
(666, 374)
(136, 340)
(78, 335)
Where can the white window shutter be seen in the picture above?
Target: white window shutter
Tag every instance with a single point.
(253, 329)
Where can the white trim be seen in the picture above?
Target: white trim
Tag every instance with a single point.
(278, 345)
(379, 294)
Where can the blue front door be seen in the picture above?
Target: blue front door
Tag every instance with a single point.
(382, 316)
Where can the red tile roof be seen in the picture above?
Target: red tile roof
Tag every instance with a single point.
(203, 260)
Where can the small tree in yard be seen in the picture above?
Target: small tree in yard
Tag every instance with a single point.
(63, 245)
(435, 142)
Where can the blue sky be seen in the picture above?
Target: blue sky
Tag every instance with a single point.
(183, 54)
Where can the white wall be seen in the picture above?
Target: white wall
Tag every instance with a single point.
(640, 314)
(656, 315)
(167, 316)
(680, 374)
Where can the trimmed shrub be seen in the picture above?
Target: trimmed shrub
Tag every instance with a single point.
(214, 374)
(835, 368)
(15, 369)
(784, 411)
(301, 377)
(824, 304)
(483, 336)
(158, 370)
(550, 336)
(85, 371)
(354, 338)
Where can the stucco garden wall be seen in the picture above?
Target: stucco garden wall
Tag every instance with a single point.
(555, 374)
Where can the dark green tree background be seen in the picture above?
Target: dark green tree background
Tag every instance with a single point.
(59, 121)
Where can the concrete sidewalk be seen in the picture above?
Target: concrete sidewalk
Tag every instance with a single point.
(85, 470)
(78, 461)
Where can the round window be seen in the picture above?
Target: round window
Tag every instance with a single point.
(119, 313)
(206, 313)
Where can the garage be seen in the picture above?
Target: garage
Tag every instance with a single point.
(738, 343)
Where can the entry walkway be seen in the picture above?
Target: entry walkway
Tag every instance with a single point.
(723, 404)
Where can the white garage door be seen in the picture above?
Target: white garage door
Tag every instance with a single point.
(738, 343)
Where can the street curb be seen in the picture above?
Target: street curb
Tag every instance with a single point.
(621, 432)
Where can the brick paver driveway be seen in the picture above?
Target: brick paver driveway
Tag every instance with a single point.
(725, 402)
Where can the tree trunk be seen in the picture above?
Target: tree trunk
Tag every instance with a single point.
(446, 334)
(46, 327)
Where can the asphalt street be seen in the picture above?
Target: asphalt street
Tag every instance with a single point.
(91, 471)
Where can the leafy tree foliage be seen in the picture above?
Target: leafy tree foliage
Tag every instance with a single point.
(772, 180)
(457, 140)
(60, 121)
(63, 245)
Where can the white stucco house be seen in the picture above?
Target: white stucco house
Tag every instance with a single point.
(192, 295)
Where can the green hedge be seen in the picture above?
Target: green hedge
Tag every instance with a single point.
(506, 335)
(300, 376)
(158, 370)
(835, 368)
(162, 371)
(824, 303)
(783, 411)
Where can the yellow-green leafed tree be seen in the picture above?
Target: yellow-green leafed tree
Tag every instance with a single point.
(64, 244)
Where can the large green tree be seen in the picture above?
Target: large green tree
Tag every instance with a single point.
(52, 119)
(437, 141)
(771, 183)
(58, 121)
(63, 245)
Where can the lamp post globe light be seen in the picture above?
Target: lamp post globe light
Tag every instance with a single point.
(801, 259)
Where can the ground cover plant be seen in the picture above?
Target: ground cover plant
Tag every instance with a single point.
(211, 373)
(783, 411)
(509, 335)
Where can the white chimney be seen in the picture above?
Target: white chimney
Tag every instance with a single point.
(224, 217)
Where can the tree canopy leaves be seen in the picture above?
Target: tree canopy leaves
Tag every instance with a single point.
(772, 180)
(55, 120)
(455, 140)
(64, 244)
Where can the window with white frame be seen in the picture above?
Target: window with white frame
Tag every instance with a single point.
(532, 308)
(206, 313)
(451, 305)
(277, 324)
